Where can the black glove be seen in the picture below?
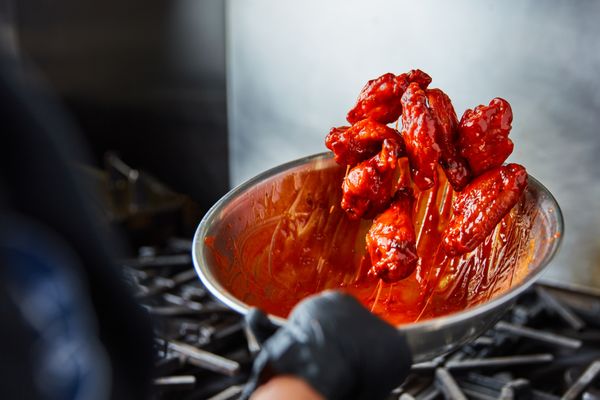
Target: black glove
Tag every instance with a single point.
(334, 344)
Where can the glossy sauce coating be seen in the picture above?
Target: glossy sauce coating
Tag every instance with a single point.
(295, 240)
(483, 135)
(391, 241)
(431, 134)
(351, 145)
(454, 165)
(419, 133)
(423, 255)
(483, 203)
(380, 98)
(369, 186)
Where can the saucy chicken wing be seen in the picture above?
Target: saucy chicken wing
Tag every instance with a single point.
(480, 207)
(391, 241)
(418, 131)
(446, 128)
(368, 187)
(483, 135)
(380, 98)
(354, 144)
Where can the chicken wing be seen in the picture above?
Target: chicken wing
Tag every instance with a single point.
(418, 131)
(391, 240)
(368, 187)
(480, 207)
(380, 98)
(354, 144)
(446, 128)
(483, 135)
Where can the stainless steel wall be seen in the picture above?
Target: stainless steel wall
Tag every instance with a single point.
(295, 68)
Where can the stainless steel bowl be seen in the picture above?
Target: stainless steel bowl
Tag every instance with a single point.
(427, 339)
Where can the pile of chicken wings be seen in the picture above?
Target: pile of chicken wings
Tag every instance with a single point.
(471, 152)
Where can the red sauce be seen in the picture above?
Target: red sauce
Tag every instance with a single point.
(288, 239)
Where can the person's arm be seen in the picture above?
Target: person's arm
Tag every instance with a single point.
(286, 387)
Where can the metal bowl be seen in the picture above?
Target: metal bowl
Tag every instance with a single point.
(244, 207)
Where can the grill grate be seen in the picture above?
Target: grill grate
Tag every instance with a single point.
(547, 347)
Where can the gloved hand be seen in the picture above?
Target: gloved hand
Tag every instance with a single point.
(334, 344)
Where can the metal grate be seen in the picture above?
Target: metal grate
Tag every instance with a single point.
(547, 347)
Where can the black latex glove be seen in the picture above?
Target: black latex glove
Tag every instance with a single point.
(334, 344)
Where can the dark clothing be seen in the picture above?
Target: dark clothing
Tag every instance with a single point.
(38, 151)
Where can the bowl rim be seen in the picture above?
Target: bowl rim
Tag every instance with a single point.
(217, 290)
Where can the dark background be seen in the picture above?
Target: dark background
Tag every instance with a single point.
(145, 78)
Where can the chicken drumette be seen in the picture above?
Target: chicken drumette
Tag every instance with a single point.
(483, 135)
(419, 133)
(369, 186)
(391, 241)
(446, 134)
(356, 143)
(380, 98)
